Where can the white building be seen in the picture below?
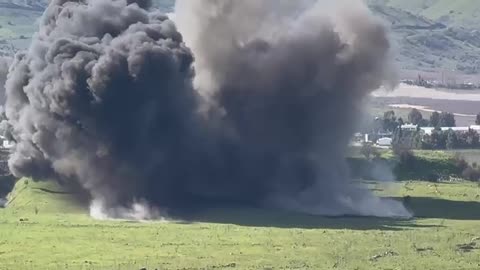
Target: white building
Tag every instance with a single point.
(429, 130)
(411, 127)
(384, 142)
(475, 127)
(6, 144)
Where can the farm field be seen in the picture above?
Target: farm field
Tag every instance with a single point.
(42, 229)
(464, 104)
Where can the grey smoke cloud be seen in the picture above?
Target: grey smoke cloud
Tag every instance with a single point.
(4, 65)
(248, 102)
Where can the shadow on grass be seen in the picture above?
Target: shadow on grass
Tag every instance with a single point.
(420, 206)
(426, 207)
(282, 219)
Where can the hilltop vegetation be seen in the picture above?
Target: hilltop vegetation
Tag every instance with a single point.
(439, 37)
(434, 36)
(19, 19)
(454, 13)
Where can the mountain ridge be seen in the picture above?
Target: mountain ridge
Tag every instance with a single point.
(432, 36)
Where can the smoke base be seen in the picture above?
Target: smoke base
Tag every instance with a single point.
(142, 115)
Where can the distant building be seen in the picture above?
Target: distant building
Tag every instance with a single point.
(410, 127)
(8, 144)
(429, 130)
(5, 143)
(456, 129)
(385, 141)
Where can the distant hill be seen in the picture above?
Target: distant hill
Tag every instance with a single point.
(36, 5)
(434, 37)
(164, 4)
(452, 12)
(437, 37)
(40, 5)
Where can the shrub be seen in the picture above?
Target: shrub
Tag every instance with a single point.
(406, 157)
(369, 151)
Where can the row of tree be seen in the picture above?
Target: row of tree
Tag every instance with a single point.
(444, 119)
(450, 139)
(390, 122)
(438, 139)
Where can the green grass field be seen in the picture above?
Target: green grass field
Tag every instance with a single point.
(42, 229)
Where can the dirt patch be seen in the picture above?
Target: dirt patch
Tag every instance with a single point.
(420, 92)
(425, 109)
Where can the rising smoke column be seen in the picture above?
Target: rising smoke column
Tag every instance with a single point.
(5, 128)
(290, 77)
(110, 98)
(4, 65)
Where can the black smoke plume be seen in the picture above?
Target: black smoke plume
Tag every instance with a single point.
(249, 102)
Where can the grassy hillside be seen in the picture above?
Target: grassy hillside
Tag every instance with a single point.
(47, 197)
(19, 21)
(434, 36)
(420, 43)
(42, 229)
(458, 12)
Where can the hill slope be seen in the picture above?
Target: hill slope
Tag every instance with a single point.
(455, 13)
(433, 36)
(43, 197)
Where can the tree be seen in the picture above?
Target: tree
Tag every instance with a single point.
(435, 119)
(369, 151)
(400, 122)
(472, 139)
(427, 142)
(407, 139)
(415, 117)
(389, 121)
(438, 139)
(452, 140)
(424, 123)
(397, 137)
(447, 119)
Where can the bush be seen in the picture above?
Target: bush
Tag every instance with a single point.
(406, 157)
(369, 151)
(424, 165)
